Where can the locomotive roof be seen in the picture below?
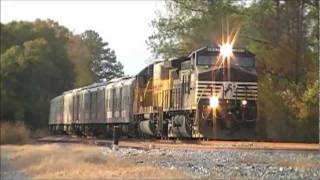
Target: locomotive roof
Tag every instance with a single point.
(175, 62)
(216, 49)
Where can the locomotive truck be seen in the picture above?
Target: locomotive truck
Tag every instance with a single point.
(200, 95)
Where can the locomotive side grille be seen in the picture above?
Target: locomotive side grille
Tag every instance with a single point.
(239, 90)
(207, 88)
(246, 91)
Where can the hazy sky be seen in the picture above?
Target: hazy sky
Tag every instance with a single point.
(125, 25)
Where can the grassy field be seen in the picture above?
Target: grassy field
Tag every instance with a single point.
(76, 161)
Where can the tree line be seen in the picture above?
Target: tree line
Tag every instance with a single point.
(284, 35)
(41, 59)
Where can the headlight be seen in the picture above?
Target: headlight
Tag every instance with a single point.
(226, 50)
(244, 102)
(214, 101)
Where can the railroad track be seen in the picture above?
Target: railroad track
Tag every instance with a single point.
(185, 144)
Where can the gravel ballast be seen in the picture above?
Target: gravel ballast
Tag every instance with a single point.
(224, 163)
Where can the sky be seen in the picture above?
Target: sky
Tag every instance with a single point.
(125, 25)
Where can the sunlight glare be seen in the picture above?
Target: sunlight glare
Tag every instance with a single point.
(214, 102)
(226, 50)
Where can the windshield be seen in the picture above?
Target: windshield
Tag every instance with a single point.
(243, 61)
(211, 60)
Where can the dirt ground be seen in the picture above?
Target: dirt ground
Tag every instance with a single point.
(74, 161)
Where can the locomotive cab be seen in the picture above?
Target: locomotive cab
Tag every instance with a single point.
(226, 94)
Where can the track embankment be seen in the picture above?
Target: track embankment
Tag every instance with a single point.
(186, 144)
(65, 157)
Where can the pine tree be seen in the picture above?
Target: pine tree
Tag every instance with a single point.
(104, 64)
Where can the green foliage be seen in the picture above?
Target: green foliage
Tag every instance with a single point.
(104, 64)
(79, 56)
(284, 37)
(40, 60)
(191, 25)
(287, 68)
(34, 68)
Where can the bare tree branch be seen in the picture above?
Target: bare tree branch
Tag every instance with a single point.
(262, 41)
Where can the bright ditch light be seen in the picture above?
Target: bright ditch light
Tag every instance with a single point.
(214, 101)
(226, 50)
(244, 102)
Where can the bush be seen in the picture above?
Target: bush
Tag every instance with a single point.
(14, 133)
(288, 112)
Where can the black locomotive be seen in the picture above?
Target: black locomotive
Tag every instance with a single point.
(197, 96)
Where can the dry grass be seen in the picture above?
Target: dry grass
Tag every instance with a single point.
(300, 164)
(75, 161)
(14, 133)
